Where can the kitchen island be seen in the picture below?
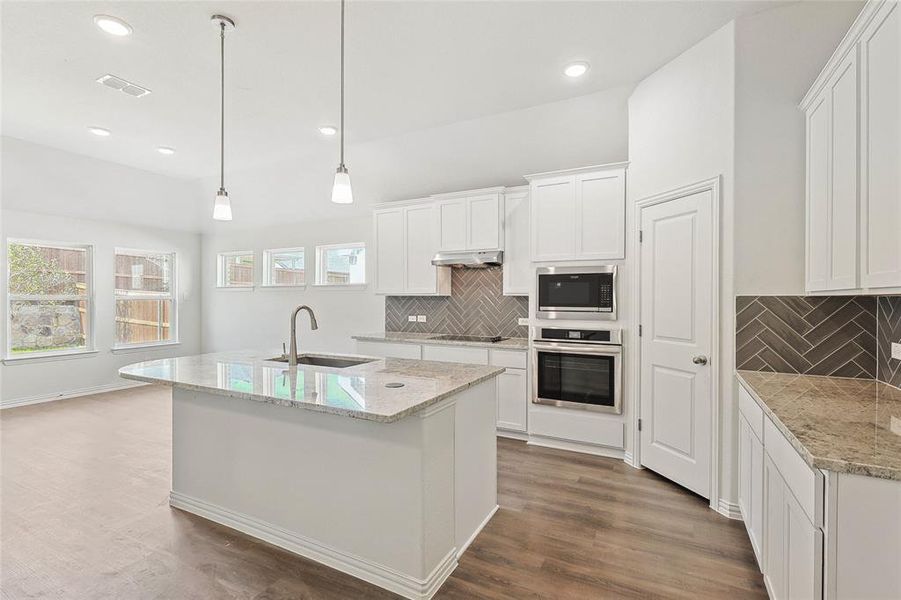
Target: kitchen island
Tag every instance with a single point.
(385, 470)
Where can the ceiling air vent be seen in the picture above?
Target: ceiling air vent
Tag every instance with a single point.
(126, 87)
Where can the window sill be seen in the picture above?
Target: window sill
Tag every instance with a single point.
(235, 288)
(299, 286)
(341, 286)
(39, 358)
(142, 347)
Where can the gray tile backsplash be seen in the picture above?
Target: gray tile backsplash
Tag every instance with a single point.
(888, 319)
(476, 306)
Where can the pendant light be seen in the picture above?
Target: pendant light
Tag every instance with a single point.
(341, 191)
(222, 208)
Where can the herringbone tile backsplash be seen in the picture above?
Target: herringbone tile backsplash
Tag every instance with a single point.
(888, 330)
(476, 306)
(833, 335)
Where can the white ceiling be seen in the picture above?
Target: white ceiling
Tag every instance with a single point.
(411, 66)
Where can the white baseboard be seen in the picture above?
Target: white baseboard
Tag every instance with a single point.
(477, 531)
(728, 509)
(97, 389)
(513, 435)
(546, 442)
(361, 568)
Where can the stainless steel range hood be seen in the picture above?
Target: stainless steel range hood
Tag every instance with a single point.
(469, 260)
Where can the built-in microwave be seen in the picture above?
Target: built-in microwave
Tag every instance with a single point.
(585, 292)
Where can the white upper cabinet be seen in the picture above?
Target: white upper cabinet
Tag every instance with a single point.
(405, 242)
(471, 222)
(853, 158)
(579, 214)
(517, 264)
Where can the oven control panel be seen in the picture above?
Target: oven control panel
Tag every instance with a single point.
(590, 336)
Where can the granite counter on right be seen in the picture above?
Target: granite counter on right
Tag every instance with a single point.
(820, 484)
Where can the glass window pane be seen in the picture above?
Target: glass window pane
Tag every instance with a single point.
(343, 266)
(43, 270)
(143, 321)
(286, 267)
(144, 274)
(45, 326)
(237, 270)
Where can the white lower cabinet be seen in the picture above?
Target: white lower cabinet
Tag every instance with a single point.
(750, 484)
(512, 400)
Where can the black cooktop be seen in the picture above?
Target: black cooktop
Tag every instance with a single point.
(450, 337)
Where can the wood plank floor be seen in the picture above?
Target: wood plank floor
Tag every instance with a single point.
(84, 515)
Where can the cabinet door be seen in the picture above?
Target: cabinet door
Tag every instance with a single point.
(512, 400)
(774, 531)
(484, 222)
(517, 264)
(843, 200)
(389, 248)
(421, 275)
(750, 484)
(452, 225)
(818, 261)
(803, 553)
(880, 177)
(553, 202)
(601, 215)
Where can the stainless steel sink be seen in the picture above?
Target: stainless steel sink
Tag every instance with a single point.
(319, 360)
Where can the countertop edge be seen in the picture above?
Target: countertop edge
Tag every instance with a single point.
(827, 464)
(430, 342)
(332, 410)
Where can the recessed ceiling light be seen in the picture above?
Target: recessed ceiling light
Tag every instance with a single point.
(112, 25)
(100, 131)
(166, 150)
(576, 69)
(328, 130)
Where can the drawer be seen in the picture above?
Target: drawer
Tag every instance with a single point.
(389, 350)
(751, 411)
(513, 359)
(805, 482)
(457, 354)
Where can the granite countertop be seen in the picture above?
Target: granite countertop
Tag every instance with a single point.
(401, 337)
(835, 424)
(359, 391)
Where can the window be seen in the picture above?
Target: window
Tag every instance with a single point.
(145, 297)
(284, 267)
(49, 299)
(341, 264)
(235, 270)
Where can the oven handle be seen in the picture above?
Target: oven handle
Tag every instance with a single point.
(605, 350)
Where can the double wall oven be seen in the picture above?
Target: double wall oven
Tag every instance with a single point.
(577, 368)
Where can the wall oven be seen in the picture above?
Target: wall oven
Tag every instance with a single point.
(587, 292)
(578, 368)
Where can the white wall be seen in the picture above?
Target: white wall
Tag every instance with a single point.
(260, 318)
(47, 378)
(681, 122)
(778, 55)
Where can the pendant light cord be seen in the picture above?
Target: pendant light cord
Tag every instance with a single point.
(342, 84)
(222, 106)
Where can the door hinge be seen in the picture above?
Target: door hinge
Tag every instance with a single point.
(639, 331)
(640, 236)
(639, 424)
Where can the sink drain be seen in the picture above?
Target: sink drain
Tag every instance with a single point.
(394, 385)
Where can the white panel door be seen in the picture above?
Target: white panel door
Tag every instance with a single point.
(389, 249)
(843, 227)
(512, 400)
(880, 179)
(421, 275)
(517, 264)
(484, 222)
(818, 159)
(452, 225)
(676, 318)
(553, 202)
(601, 215)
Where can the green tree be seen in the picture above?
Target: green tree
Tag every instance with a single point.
(31, 271)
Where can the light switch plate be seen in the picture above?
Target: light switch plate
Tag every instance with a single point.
(421, 318)
(896, 350)
(523, 321)
(411, 318)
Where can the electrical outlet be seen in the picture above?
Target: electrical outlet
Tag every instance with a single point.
(421, 318)
(411, 318)
(523, 321)
(896, 350)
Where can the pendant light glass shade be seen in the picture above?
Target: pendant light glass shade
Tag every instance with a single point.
(222, 209)
(341, 191)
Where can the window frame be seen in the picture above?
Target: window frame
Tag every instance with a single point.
(220, 270)
(321, 251)
(267, 268)
(89, 297)
(172, 295)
